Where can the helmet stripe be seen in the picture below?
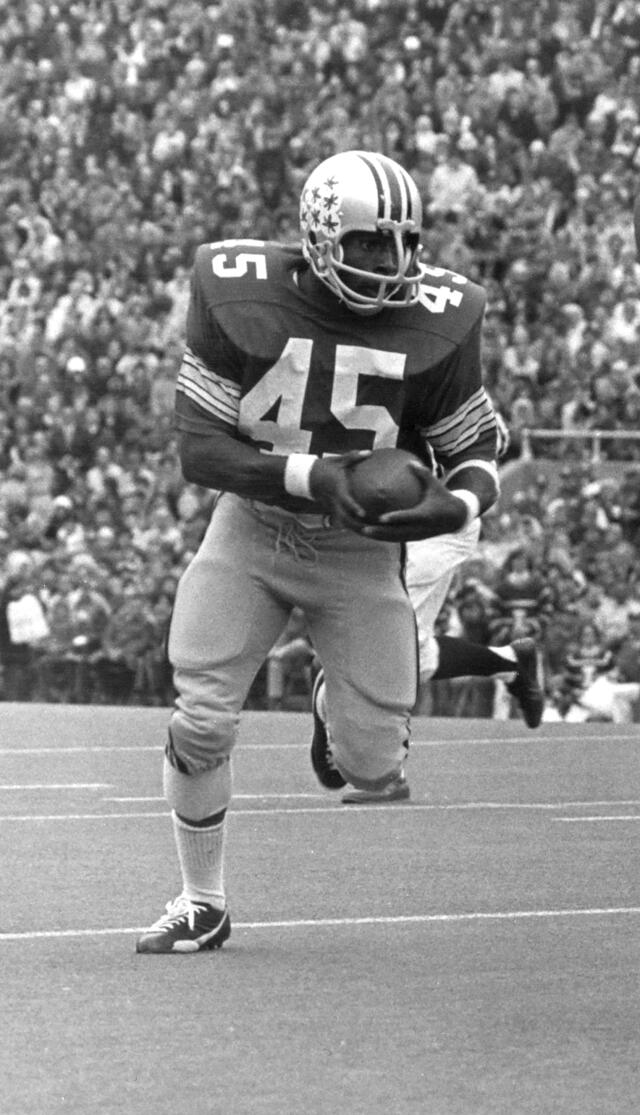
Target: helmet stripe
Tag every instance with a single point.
(393, 194)
(396, 176)
(403, 184)
(377, 177)
(388, 197)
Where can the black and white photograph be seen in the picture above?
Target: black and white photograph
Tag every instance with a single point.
(320, 557)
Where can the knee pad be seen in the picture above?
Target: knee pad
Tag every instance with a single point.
(198, 741)
(359, 782)
(197, 796)
(372, 758)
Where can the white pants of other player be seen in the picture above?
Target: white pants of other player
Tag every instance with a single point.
(431, 565)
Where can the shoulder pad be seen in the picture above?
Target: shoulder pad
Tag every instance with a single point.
(453, 303)
(245, 285)
(240, 270)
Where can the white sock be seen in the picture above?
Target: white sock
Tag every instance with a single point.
(505, 652)
(201, 856)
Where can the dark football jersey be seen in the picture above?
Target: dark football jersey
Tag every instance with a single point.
(295, 372)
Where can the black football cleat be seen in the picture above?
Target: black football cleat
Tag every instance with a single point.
(526, 687)
(321, 758)
(186, 927)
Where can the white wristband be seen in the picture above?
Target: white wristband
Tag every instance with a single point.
(296, 474)
(472, 502)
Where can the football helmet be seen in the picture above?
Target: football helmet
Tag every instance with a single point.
(359, 191)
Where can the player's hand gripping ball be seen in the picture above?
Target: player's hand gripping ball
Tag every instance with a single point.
(386, 480)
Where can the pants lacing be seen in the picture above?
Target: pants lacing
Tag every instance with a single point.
(294, 539)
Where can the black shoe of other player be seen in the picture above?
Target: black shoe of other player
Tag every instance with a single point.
(526, 687)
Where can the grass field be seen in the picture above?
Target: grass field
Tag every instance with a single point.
(475, 951)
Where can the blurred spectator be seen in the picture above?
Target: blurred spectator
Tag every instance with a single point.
(60, 663)
(522, 601)
(129, 636)
(23, 628)
(519, 360)
(613, 609)
(627, 658)
(453, 185)
(470, 620)
(586, 661)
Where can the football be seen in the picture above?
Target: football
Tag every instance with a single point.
(384, 481)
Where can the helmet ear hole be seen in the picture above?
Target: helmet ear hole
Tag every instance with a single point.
(312, 238)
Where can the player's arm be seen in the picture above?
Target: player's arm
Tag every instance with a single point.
(462, 426)
(213, 457)
(469, 488)
(216, 459)
(445, 506)
(459, 424)
(206, 416)
(212, 453)
(473, 476)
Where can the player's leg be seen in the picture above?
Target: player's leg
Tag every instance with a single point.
(431, 564)
(365, 636)
(430, 567)
(429, 570)
(518, 664)
(223, 626)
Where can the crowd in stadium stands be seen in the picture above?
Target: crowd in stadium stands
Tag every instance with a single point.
(133, 130)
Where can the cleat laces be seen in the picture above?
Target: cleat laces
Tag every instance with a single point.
(176, 911)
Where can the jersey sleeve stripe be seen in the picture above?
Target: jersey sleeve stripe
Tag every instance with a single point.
(216, 395)
(206, 398)
(225, 414)
(449, 445)
(455, 433)
(192, 365)
(479, 402)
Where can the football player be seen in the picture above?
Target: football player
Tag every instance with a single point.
(298, 360)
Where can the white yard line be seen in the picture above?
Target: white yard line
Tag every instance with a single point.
(250, 797)
(57, 786)
(455, 806)
(348, 923)
(333, 806)
(601, 817)
(521, 740)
